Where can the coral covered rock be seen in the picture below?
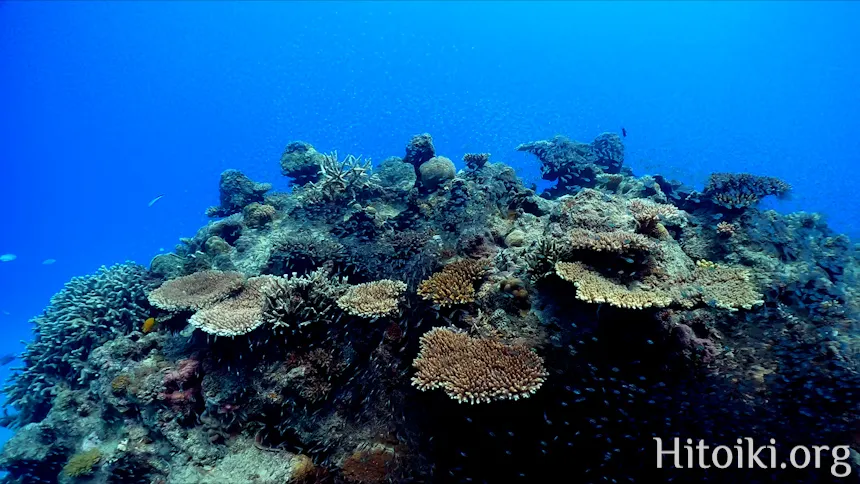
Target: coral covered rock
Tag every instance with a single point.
(396, 174)
(419, 150)
(301, 162)
(237, 191)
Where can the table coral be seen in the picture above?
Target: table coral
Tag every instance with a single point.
(476, 370)
(197, 290)
(373, 299)
(455, 283)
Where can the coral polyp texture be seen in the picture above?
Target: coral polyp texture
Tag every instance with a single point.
(373, 299)
(454, 284)
(235, 315)
(476, 370)
(409, 321)
(197, 290)
(593, 288)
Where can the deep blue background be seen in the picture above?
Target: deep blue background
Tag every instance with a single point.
(104, 106)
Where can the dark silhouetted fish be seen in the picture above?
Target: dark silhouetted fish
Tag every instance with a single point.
(6, 359)
(624, 132)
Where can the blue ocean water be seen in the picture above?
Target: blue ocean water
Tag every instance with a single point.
(107, 105)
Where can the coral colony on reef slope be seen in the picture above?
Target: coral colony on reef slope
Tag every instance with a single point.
(416, 324)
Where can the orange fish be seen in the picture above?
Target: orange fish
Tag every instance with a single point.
(148, 325)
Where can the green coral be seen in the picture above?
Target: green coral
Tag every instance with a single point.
(82, 463)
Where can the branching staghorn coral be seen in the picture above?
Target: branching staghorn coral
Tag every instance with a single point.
(292, 302)
(338, 177)
(476, 370)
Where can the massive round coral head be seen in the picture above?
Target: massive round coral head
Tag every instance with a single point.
(196, 291)
(476, 370)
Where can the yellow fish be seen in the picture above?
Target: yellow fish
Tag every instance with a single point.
(148, 325)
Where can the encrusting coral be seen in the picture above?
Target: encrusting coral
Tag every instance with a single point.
(476, 370)
(330, 334)
(257, 215)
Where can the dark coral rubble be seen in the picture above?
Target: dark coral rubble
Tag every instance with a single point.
(413, 323)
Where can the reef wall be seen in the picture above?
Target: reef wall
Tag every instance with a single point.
(412, 323)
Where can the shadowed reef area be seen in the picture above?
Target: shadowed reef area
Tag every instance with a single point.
(411, 323)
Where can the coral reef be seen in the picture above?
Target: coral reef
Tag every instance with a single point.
(740, 190)
(407, 322)
(237, 191)
(87, 313)
(574, 164)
